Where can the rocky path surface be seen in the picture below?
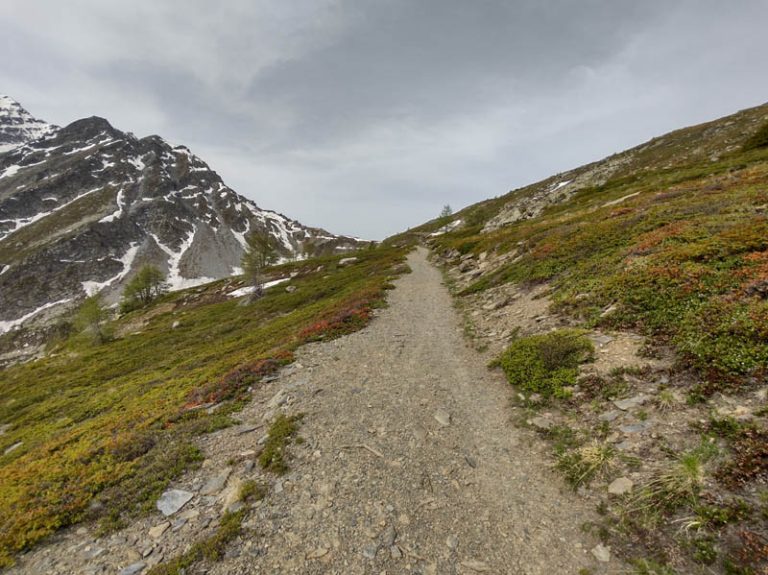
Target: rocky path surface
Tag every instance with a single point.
(410, 465)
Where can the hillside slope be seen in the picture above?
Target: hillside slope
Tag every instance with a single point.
(84, 206)
(660, 253)
(96, 432)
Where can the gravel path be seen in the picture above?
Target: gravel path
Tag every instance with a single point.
(409, 465)
(413, 465)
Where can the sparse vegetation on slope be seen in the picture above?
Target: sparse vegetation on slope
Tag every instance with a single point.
(100, 430)
(672, 244)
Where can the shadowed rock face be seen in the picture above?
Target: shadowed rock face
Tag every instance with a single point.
(84, 206)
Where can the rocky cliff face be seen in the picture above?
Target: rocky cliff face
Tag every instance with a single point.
(82, 207)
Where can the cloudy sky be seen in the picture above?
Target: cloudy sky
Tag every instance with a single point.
(367, 116)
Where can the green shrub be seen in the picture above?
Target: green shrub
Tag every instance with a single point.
(547, 364)
(758, 140)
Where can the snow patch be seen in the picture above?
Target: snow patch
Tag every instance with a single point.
(175, 280)
(6, 326)
(10, 171)
(24, 222)
(92, 287)
(120, 207)
(250, 289)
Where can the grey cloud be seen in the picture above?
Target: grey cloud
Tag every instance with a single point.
(366, 116)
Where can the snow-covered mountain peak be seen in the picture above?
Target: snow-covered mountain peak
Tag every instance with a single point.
(17, 126)
(85, 206)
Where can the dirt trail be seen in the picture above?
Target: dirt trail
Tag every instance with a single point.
(410, 465)
(458, 498)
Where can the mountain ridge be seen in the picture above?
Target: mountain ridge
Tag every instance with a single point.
(84, 205)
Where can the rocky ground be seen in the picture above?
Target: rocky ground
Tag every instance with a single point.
(408, 464)
(637, 407)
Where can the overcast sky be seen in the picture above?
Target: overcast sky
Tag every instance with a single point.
(365, 117)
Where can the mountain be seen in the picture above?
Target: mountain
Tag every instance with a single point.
(82, 207)
(17, 126)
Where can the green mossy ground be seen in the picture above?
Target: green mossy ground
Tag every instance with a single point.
(104, 428)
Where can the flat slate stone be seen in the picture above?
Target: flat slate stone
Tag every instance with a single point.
(443, 417)
(636, 427)
(173, 500)
(216, 483)
(133, 569)
(625, 404)
(609, 415)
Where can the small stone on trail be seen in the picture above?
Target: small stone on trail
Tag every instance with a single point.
(475, 565)
(388, 536)
(216, 483)
(541, 423)
(636, 427)
(626, 404)
(471, 461)
(601, 553)
(317, 553)
(609, 416)
(157, 531)
(443, 417)
(369, 551)
(452, 542)
(173, 500)
(133, 569)
(620, 486)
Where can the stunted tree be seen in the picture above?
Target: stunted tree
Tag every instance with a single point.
(260, 252)
(145, 286)
(91, 318)
(446, 212)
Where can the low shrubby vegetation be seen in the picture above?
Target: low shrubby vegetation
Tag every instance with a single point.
(547, 364)
(100, 430)
(672, 247)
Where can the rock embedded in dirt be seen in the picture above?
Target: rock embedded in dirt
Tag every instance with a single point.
(347, 261)
(216, 483)
(157, 531)
(621, 486)
(475, 565)
(452, 542)
(601, 553)
(627, 404)
(317, 553)
(133, 569)
(277, 400)
(443, 417)
(609, 415)
(636, 427)
(541, 423)
(173, 500)
(388, 537)
(370, 550)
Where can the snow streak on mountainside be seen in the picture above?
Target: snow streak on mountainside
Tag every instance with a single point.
(84, 206)
(17, 126)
